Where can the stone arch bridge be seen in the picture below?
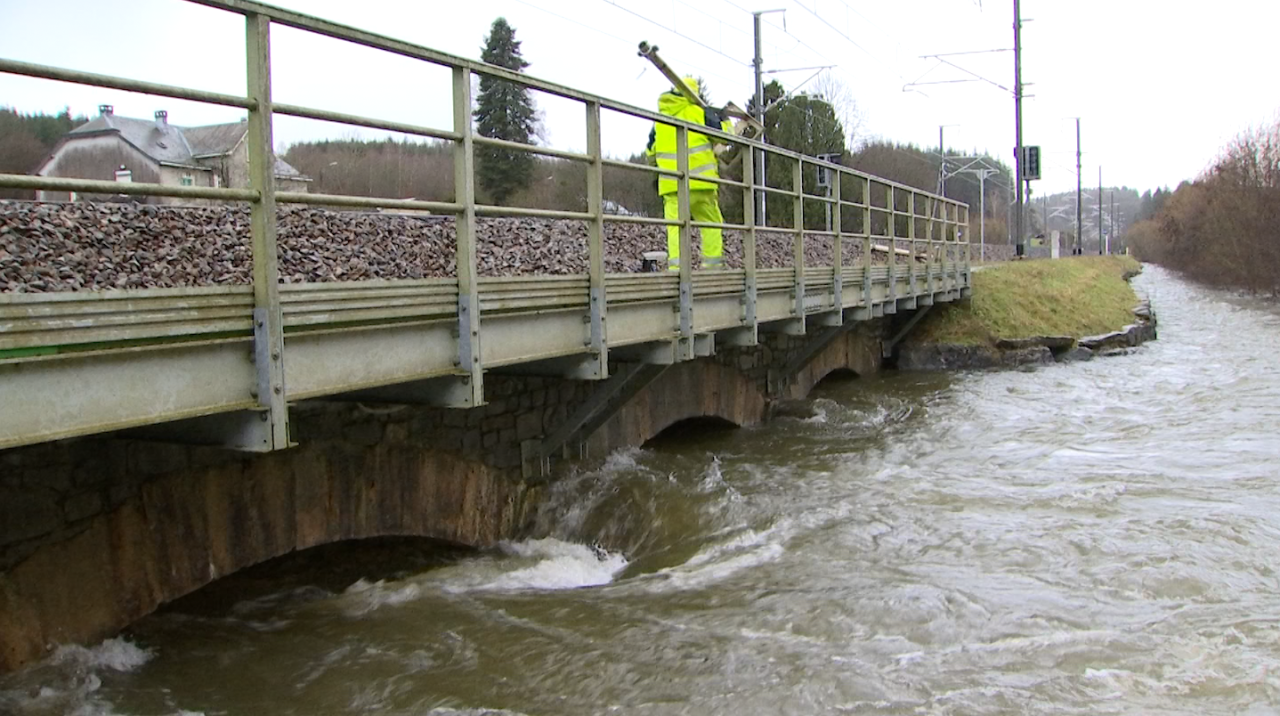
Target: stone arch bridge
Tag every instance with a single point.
(155, 439)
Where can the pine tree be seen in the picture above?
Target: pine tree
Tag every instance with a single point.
(504, 110)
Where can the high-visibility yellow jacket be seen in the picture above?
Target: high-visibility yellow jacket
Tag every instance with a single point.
(662, 142)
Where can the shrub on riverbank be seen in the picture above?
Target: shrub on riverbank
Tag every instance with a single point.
(1224, 228)
(1076, 297)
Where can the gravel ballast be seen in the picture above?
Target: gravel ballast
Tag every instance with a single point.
(85, 246)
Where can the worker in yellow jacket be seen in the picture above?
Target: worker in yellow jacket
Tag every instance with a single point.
(704, 203)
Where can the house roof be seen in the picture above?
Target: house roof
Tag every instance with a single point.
(175, 145)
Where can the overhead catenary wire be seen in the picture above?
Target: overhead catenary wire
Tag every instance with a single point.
(611, 35)
(679, 34)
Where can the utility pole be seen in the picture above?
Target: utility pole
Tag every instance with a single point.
(1099, 211)
(758, 62)
(1079, 179)
(1017, 109)
(942, 157)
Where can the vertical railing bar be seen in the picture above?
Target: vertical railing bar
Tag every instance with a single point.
(685, 345)
(866, 244)
(934, 250)
(268, 320)
(598, 338)
(797, 218)
(837, 280)
(750, 315)
(911, 235)
(891, 232)
(464, 188)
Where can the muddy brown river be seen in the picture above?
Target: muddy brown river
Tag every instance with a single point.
(1086, 538)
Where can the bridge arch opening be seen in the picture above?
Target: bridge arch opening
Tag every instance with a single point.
(837, 377)
(691, 429)
(324, 570)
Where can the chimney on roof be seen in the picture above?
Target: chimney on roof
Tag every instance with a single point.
(162, 120)
(106, 109)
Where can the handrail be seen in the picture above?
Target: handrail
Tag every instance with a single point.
(936, 223)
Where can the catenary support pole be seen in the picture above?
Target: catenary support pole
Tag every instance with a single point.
(1079, 208)
(1017, 109)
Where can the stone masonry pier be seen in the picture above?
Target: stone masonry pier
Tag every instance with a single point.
(97, 532)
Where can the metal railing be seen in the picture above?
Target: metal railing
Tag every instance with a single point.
(885, 213)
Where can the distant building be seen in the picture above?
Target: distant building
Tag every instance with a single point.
(124, 149)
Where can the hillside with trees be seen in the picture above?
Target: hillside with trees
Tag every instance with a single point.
(27, 139)
(1224, 227)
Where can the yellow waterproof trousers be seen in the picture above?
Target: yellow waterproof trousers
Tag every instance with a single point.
(704, 206)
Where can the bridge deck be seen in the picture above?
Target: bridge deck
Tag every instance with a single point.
(221, 364)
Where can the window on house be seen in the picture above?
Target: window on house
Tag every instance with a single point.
(188, 180)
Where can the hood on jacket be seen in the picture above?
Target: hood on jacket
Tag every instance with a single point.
(672, 102)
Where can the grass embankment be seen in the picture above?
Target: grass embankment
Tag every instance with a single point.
(1079, 296)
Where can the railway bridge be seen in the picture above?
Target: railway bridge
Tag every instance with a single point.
(153, 440)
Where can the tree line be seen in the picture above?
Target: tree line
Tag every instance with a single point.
(1223, 228)
(27, 139)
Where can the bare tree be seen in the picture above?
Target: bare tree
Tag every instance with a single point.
(833, 90)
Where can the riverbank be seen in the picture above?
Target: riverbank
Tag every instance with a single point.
(1034, 312)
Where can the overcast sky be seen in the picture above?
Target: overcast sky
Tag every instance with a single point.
(1160, 85)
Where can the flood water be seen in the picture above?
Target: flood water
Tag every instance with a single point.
(1087, 538)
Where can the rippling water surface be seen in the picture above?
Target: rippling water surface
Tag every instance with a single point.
(1090, 538)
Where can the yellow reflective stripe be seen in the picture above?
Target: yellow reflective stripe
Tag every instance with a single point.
(699, 147)
(668, 155)
(703, 168)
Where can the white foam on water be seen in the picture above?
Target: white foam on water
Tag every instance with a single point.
(364, 596)
(115, 654)
(68, 680)
(557, 565)
(543, 564)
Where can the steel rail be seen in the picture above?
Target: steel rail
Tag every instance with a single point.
(96, 186)
(325, 115)
(94, 79)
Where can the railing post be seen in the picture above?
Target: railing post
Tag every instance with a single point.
(911, 234)
(684, 348)
(268, 321)
(797, 186)
(968, 248)
(866, 244)
(750, 318)
(891, 232)
(464, 188)
(935, 249)
(595, 245)
(837, 279)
